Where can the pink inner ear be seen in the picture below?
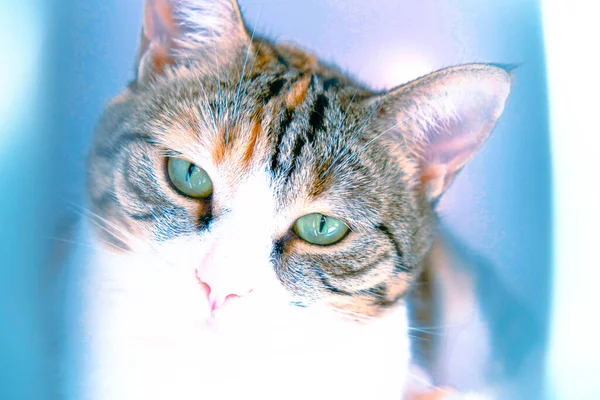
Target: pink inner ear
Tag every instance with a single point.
(159, 23)
(445, 117)
(449, 148)
(157, 37)
(455, 150)
(443, 161)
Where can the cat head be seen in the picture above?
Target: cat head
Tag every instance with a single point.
(266, 171)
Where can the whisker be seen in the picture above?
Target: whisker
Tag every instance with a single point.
(425, 329)
(343, 120)
(248, 80)
(355, 315)
(109, 227)
(139, 244)
(220, 78)
(106, 224)
(237, 95)
(421, 338)
(389, 129)
(428, 332)
(88, 245)
(427, 383)
(202, 110)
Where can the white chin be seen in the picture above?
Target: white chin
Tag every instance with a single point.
(143, 333)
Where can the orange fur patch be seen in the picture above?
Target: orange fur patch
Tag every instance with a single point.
(160, 59)
(218, 152)
(297, 93)
(254, 134)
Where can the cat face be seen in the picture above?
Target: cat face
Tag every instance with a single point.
(272, 175)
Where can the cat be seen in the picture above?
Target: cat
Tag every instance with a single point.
(257, 218)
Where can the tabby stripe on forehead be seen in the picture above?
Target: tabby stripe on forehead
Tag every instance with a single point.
(316, 122)
(317, 115)
(273, 90)
(296, 151)
(286, 120)
(399, 266)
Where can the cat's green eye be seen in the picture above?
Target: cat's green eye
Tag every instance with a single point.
(320, 229)
(189, 178)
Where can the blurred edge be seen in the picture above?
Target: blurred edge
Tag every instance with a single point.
(571, 33)
(25, 141)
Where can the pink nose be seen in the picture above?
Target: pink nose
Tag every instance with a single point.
(215, 300)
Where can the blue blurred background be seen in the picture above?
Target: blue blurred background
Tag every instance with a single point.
(62, 61)
(27, 211)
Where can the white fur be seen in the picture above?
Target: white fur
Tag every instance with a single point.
(144, 328)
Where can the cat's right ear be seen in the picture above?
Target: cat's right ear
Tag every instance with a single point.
(184, 31)
(437, 123)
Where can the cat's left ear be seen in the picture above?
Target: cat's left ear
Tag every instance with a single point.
(438, 122)
(185, 31)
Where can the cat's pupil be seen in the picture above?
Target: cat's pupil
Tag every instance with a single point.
(190, 171)
(322, 223)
